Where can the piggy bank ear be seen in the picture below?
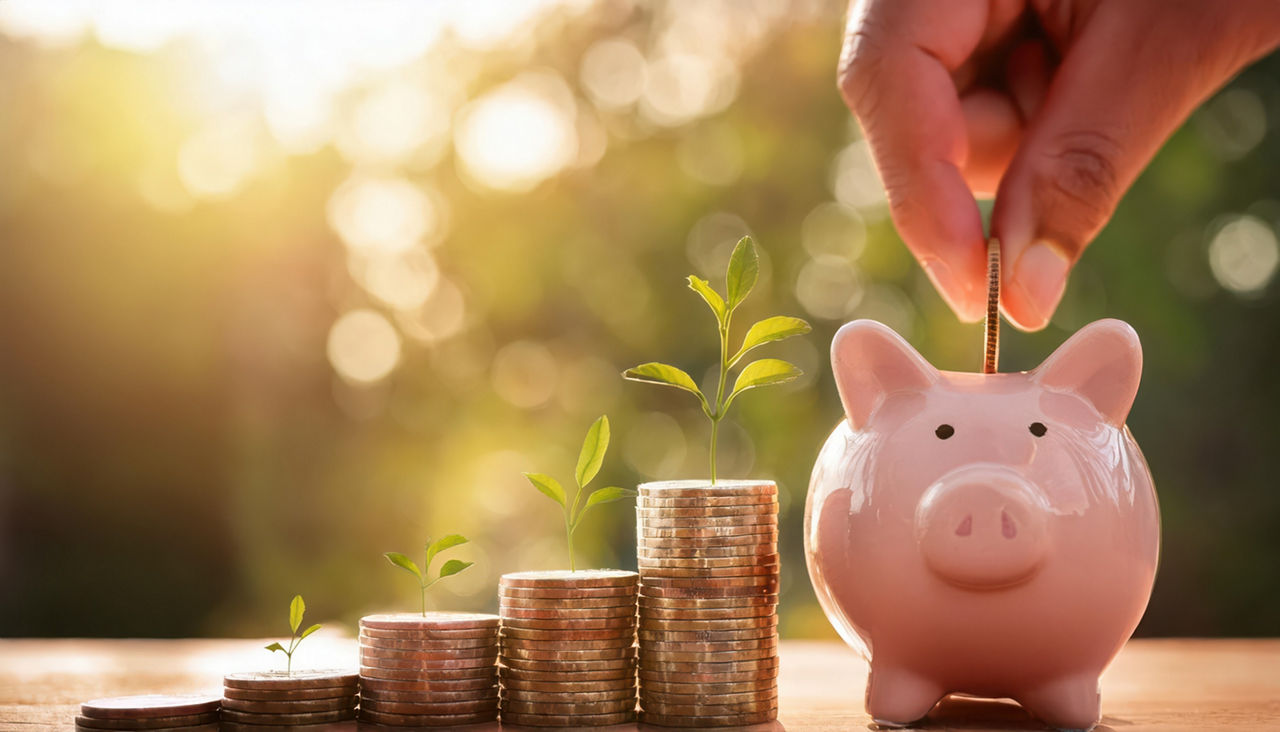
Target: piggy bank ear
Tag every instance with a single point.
(871, 362)
(1102, 363)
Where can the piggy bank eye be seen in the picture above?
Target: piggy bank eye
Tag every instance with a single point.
(1038, 429)
(944, 431)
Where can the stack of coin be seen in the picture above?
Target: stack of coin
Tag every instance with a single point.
(708, 636)
(150, 712)
(291, 699)
(429, 670)
(568, 648)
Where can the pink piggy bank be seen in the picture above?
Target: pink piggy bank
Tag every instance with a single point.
(993, 535)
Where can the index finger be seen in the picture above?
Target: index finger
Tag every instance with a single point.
(895, 75)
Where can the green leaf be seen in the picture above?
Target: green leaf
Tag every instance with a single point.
(712, 298)
(296, 610)
(549, 486)
(404, 562)
(447, 542)
(309, 631)
(452, 567)
(603, 495)
(593, 449)
(744, 268)
(274, 647)
(765, 372)
(777, 328)
(661, 373)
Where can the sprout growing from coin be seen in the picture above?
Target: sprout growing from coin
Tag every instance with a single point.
(297, 608)
(448, 569)
(590, 459)
(744, 268)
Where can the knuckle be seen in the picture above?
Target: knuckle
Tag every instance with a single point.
(1080, 181)
(861, 61)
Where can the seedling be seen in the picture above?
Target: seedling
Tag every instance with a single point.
(448, 569)
(296, 610)
(744, 268)
(589, 461)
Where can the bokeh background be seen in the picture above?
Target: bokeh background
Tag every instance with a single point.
(284, 286)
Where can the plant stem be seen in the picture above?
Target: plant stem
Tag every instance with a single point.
(424, 601)
(568, 533)
(724, 374)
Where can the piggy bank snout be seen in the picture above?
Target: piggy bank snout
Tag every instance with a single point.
(982, 529)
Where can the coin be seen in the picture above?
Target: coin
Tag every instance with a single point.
(541, 593)
(295, 680)
(760, 611)
(430, 684)
(567, 687)
(460, 665)
(991, 332)
(567, 720)
(606, 602)
(413, 674)
(610, 706)
(558, 675)
(622, 641)
(760, 502)
(650, 563)
(709, 707)
(426, 720)
(150, 705)
(767, 577)
(742, 687)
(762, 532)
(749, 644)
(625, 621)
(397, 707)
(659, 573)
(651, 656)
(766, 590)
(561, 579)
(397, 644)
(428, 634)
(718, 624)
(319, 692)
(460, 654)
(749, 522)
(568, 666)
(709, 667)
(567, 634)
(341, 715)
(700, 603)
(570, 654)
(765, 694)
(291, 705)
(685, 550)
(648, 676)
(658, 510)
(748, 542)
(430, 621)
(707, 636)
(437, 696)
(565, 696)
(184, 720)
(697, 488)
(710, 720)
(567, 613)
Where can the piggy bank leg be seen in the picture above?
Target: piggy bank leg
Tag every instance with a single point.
(897, 697)
(1072, 703)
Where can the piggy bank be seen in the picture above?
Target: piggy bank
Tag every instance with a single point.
(992, 535)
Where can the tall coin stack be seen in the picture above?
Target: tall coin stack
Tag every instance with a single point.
(708, 636)
(568, 648)
(432, 670)
(288, 699)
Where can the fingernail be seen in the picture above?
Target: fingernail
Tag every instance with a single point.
(949, 287)
(1041, 275)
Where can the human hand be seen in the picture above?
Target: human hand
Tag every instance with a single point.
(1055, 107)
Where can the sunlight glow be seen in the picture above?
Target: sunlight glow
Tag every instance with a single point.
(1244, 255)
(613, 73)
(519, 134)
(383, 214)
(363, 346)
(219, 159)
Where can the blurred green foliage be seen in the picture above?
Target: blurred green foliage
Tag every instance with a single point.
(175, 441)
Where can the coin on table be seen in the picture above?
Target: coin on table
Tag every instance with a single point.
(475, 706)
(647, 677)
(750, 644)
(750, 503)
(710, 667)
(747, 522)
(661, 510)
(658, 543)
(766, 590)
(627, 672)
(315, 693)
(698, 489)
(566, 696)
(611, 706)
(428, 635)
(436, 695)
(439, 674)
(731, 613)
(150, 705)
(653, 656)
(622, 640)
(645, 533)
(398, 654)
(230, 715)
(710, 720)
(568, 634)
(433, 664)
(625, 621)
(566, 593)
(183, 720)
(606, 601)
(648, 625)
(757, 569)
(648, 563)
(705, 603)
(431, 621)
(686, 550)
(568, 720)
(568, 666)
(426, 720)
(399, 644)
(563, 580)
(766, 686)
(291, 705)
(746, 580)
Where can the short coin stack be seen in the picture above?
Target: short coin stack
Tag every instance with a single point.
(150, 712)
(568, 648)
(288, 699)
(708, 632)
(432, 670)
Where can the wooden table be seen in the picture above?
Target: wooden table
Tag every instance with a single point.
(1153, 685)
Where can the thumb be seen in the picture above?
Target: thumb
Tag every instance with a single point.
(1126, 83)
